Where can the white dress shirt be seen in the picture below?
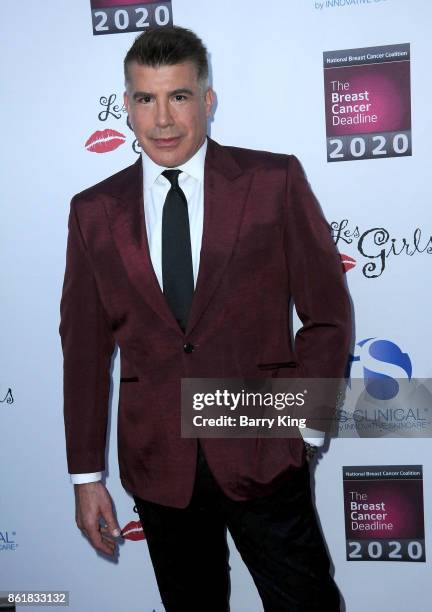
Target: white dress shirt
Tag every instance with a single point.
(156, 187)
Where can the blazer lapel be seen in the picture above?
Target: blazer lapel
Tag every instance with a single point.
(125, 210)
(224, 199)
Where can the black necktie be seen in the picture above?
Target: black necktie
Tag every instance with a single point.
(177, 271)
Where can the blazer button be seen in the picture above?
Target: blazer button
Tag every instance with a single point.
(188, 347)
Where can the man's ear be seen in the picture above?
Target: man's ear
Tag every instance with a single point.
(126, 101)
(209, 98)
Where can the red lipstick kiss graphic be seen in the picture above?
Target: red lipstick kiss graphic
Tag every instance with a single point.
(347, 262)
(104, 141)
(133, 531)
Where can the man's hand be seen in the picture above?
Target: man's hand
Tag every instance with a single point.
(92, 502)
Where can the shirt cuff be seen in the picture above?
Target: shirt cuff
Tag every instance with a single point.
(85, 478)
(312, 436)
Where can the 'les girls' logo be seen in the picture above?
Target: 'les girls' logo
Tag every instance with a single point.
(6, 397)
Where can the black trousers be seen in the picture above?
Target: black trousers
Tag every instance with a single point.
(277, 537)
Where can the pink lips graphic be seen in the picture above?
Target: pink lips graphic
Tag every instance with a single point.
(347, 262)
(103, 141)
(133, 531)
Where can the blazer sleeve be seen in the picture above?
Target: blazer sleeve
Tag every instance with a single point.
(317, 282)
(87, 345)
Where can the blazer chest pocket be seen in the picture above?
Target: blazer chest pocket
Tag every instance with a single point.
(129, 379)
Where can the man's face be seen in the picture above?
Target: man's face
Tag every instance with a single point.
(168, 109)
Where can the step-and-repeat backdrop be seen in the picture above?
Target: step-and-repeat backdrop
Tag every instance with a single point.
(343, 84)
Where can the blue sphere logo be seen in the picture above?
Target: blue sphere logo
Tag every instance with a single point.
(383, 363)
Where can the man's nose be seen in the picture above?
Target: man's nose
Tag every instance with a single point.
(163, 115)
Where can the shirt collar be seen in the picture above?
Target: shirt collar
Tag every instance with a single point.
(194, 167)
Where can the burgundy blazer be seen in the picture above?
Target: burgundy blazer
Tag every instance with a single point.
(265, 241)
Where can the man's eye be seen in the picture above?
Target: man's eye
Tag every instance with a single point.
(179, 97)
(144, 99)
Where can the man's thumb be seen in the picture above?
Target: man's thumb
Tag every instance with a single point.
(115, 531)
(113, 526)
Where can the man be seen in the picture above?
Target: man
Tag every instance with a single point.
(188, 260)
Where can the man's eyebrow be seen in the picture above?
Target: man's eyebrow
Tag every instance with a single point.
(183, 90)
(142, 94)
(146, 94)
